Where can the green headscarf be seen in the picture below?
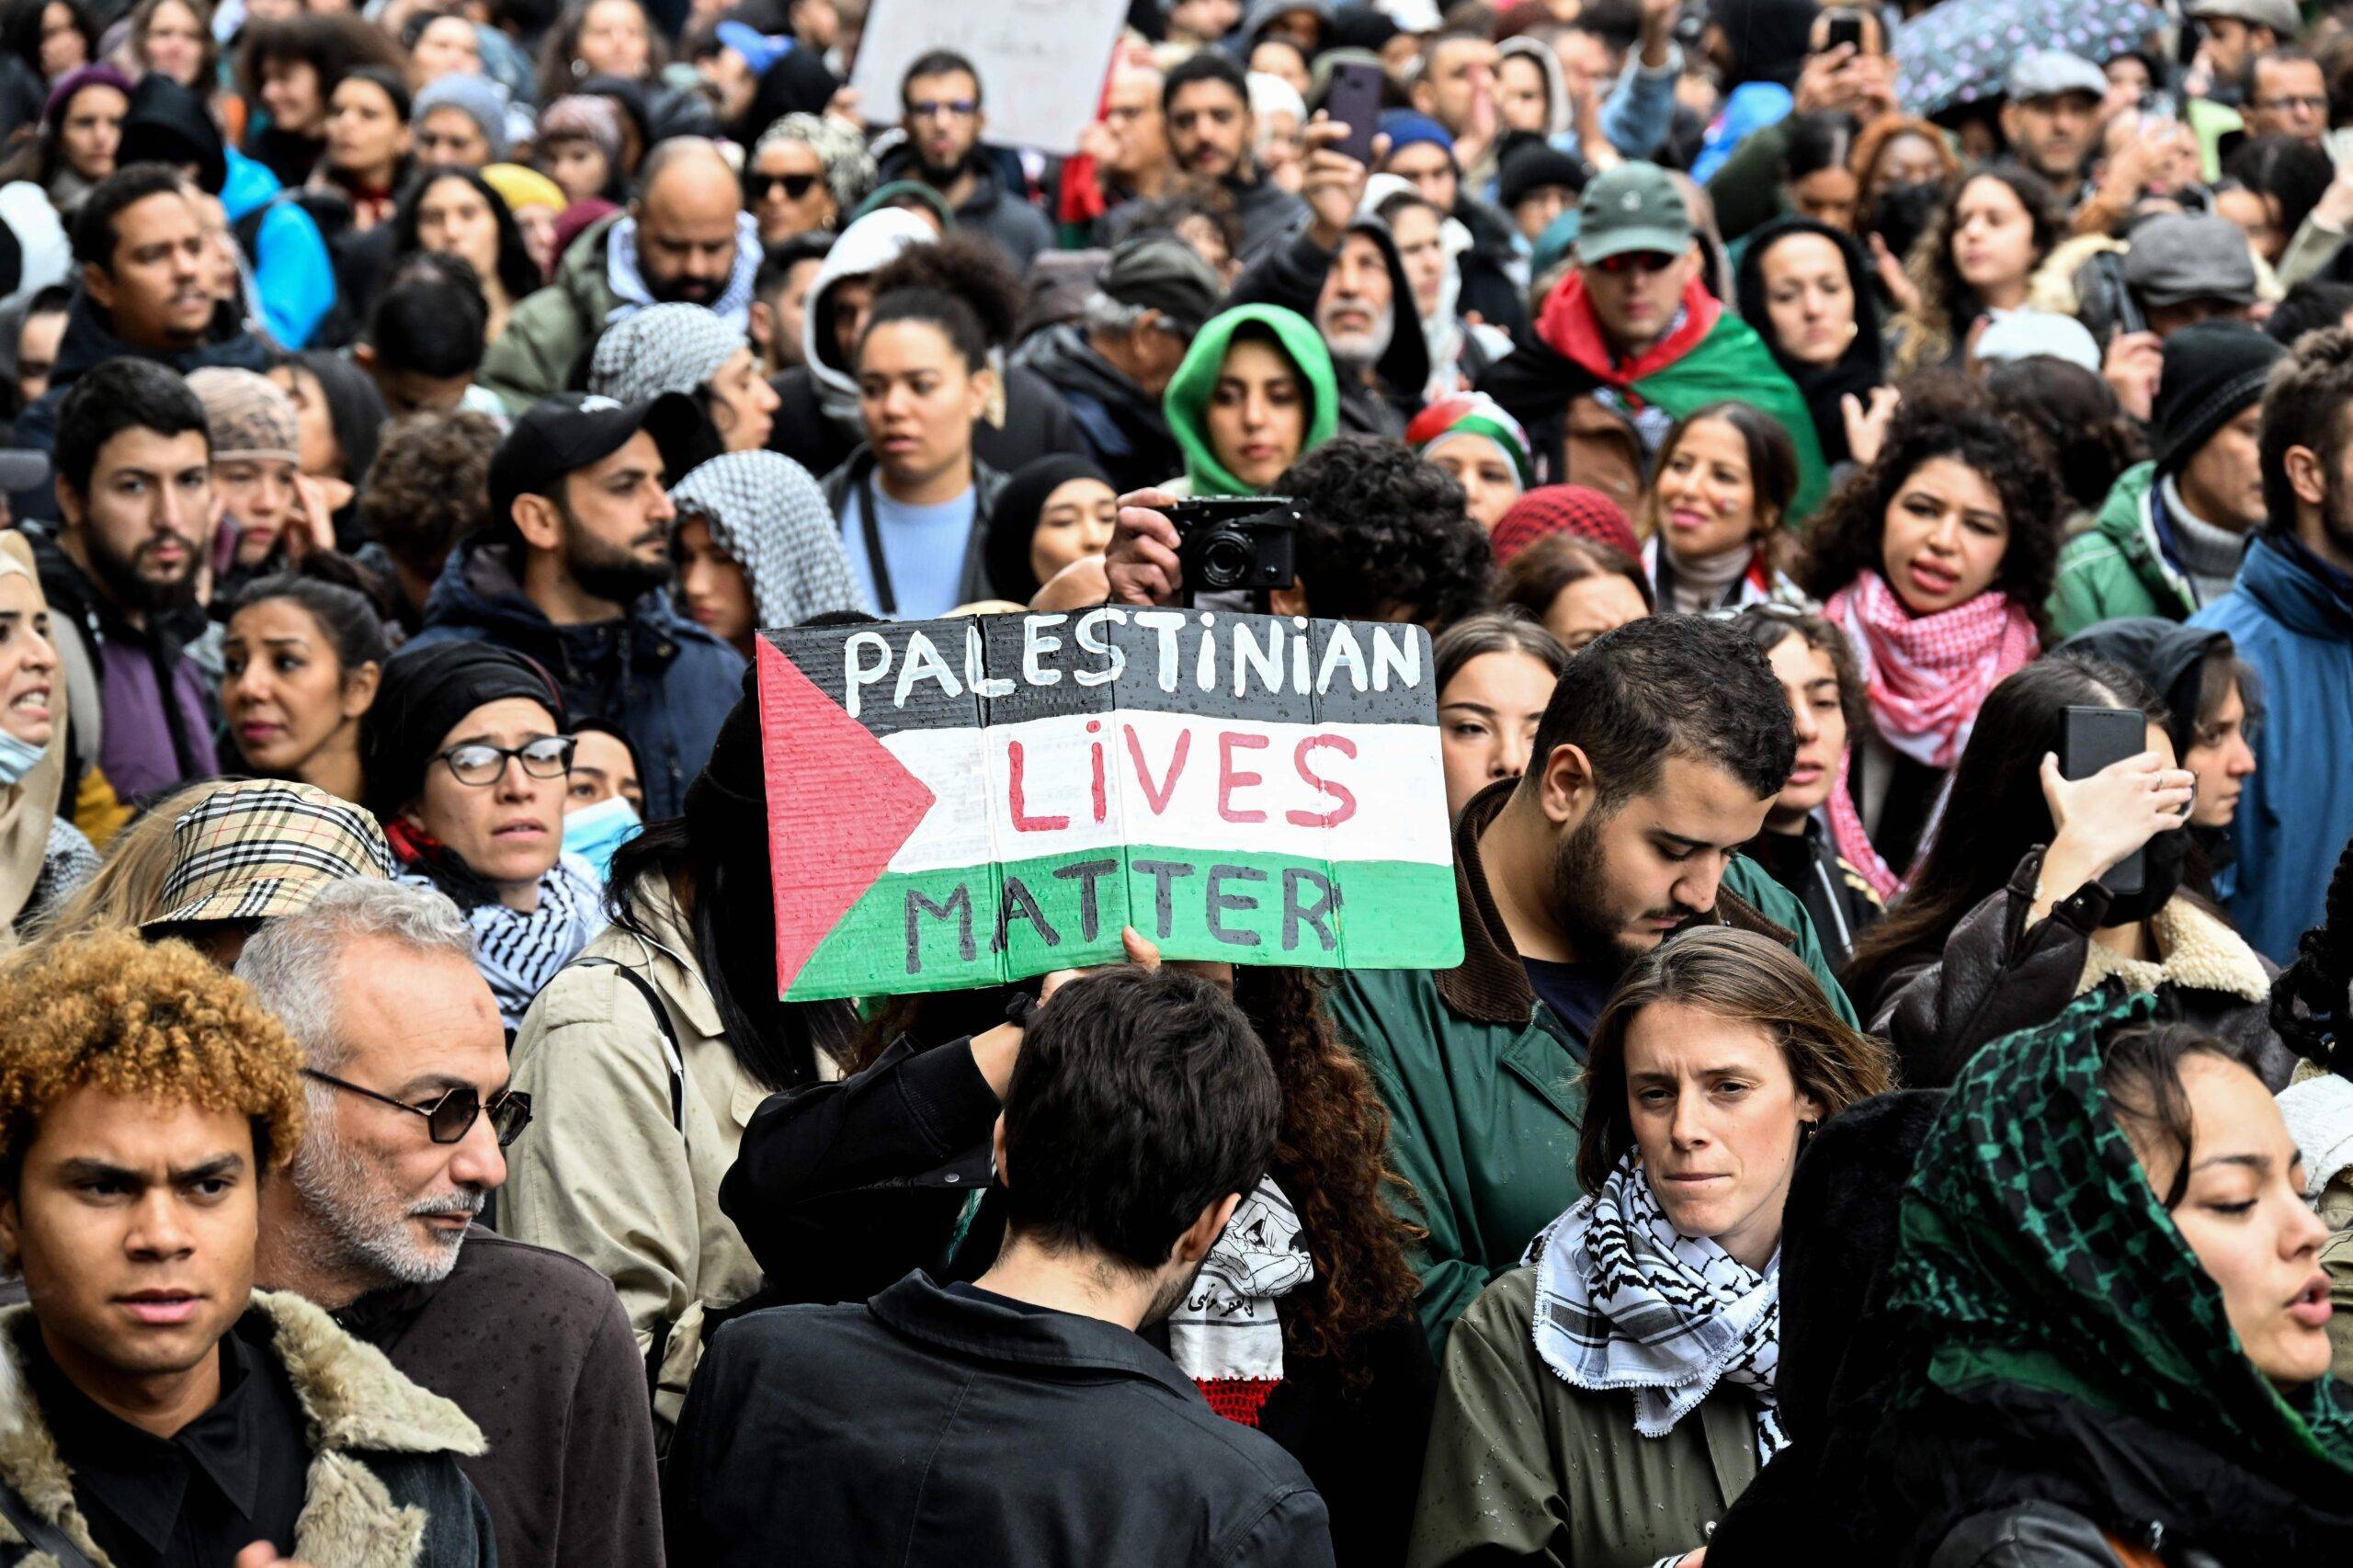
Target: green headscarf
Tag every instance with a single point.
(1187, 401)
(2033, 1251)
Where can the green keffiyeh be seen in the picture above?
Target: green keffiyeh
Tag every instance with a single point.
(2033, 1251)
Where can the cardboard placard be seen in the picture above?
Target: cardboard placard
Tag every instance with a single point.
(1041, 62)
(956, 804)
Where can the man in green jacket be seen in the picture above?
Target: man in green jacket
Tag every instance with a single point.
(2169, 536)
(686, 239)
(1656, 760)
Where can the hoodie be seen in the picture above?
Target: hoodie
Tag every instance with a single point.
(1187, 400)
(665, 681)
(1292, 276)
(864, 249)
(1596, 420)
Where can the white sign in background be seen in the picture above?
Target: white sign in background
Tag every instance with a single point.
(1041, 62)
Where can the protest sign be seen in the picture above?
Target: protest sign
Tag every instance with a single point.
(1041, 62)
(955, 803)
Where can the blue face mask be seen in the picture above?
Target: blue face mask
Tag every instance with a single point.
(592, 833)
(16, 758)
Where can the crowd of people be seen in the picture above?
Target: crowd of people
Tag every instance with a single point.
(1864, 1121)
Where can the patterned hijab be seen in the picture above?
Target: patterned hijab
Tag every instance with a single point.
(662, 348)
(2033, 1252)
(765, 510)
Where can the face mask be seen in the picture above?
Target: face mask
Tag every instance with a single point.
(2162, 861)
(16, 758)
(592, 833)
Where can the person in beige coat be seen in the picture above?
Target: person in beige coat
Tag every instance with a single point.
(652, 1050)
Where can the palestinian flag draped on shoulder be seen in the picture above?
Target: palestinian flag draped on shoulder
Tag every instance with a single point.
(1708, 356)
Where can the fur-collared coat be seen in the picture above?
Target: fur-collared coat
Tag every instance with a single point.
(384, 1490)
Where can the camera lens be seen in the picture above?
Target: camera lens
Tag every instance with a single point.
(1225, 561)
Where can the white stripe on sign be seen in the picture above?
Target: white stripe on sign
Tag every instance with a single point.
(1177, 781)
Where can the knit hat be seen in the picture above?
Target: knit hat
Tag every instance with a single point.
(1563, 509)
(764, 510)
(1530, 167)
(73, 81)
(1406, 127)
(662, 348)
(597, 118)
(1472, 413)
(519, 188)
(248, 416)
(424, 694)
(477, 97)
(260, 848)
(2213, 370)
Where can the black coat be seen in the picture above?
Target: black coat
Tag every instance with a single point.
(842, 1187)
(1124, 426)
(934, 1424)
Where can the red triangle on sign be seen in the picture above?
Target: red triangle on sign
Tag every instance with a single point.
(839, 806)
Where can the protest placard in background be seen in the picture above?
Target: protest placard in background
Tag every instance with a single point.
(956, 804)
(1041, 62)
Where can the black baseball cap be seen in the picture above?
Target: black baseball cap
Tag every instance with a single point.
(564, 433)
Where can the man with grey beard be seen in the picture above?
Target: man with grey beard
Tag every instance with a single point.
(409, 1114)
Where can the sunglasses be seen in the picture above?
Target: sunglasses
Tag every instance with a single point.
(1642, 261)
(943, 109)
(794, 187)
(480, 764)
(451, 1117)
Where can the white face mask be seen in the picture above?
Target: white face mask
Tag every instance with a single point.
(594, 832)
(16, 758)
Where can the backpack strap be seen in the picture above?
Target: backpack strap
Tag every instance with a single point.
(672, 1057)
(39, 1533)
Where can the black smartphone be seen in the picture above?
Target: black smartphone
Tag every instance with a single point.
(1847, 28)
(2094, 738)
(1354, 100)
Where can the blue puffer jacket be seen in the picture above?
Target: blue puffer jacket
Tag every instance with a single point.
(665, 681)
(2295, 627)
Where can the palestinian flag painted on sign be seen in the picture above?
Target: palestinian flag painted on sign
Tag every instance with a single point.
(956, 804)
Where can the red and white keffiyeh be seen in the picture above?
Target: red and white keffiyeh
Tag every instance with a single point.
(1925, 676)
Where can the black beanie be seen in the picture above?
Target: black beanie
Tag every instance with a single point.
(422, 696)
(2213, 370)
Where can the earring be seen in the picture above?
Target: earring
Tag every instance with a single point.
(1806, 1129)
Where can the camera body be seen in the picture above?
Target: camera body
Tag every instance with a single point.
(1236, 543)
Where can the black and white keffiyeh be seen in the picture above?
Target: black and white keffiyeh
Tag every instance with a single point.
(1226, 1335)
(765, 510)
(1624, 1301)
(519, 953)
(662, 348)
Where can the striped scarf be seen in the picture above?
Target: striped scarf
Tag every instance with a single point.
(519, 953)
(1624, 1301)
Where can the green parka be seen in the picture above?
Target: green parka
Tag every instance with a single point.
(1481, 1079)
(545, 346)
(2114, 568)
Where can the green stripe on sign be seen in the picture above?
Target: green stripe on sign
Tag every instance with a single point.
(949, 927)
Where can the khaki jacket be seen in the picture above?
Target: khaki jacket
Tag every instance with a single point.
(1525, 1468)
(626, 1189)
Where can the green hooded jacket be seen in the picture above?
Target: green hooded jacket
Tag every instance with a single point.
(2114, 568)
(1187, 402)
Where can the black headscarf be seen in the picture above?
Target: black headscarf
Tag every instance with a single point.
(424, 694)
(1863, 365)
(1013, 522)
(1767, 38)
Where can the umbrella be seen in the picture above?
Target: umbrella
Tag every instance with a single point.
(1961, 52)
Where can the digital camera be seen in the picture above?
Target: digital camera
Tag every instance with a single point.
(1235, 542)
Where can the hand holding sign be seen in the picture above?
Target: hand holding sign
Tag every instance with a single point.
(962, 802)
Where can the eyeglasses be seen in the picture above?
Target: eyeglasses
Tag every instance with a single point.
(451, 1117)
(943, 109)
(794, 187)
(480, 764)
(2317, 105)
(1642, 261)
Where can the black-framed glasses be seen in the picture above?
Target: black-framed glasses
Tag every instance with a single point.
(943, 109)
(480, 764)
(795, 186)
(450, 1116)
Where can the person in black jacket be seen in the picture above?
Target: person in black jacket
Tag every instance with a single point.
(1021, 1419)
(840, 1189)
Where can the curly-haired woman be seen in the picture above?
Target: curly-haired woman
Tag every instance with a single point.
(1936, 560)
(1977, 255)
(843, 1187)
